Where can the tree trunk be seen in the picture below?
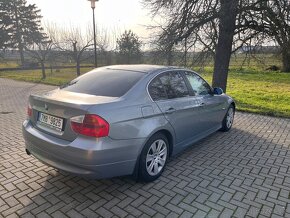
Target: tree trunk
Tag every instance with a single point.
(185, 52)
(169, 57)
(78, 68)
(286, 60)
(20, 47)
(77, 57)
(228, 13)
(18, 36)
(43, 70)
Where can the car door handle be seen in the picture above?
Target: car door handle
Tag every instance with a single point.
(201, 104)
(170, 110)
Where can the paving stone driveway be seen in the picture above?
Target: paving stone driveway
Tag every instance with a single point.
(245, 172)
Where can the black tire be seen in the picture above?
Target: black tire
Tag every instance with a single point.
(143, 172)
(225, 125)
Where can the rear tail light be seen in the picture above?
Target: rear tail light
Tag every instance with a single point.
(29, 110)
(90, 125)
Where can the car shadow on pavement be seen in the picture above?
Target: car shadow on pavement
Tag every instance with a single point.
(243, 172)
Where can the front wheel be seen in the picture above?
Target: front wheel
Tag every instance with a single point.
(228, 119)
(153, 157)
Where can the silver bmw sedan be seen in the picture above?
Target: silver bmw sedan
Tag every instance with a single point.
(122, 120)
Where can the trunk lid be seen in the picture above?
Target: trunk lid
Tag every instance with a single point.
(62, 105)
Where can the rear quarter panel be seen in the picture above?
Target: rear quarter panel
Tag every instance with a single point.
(132, 121)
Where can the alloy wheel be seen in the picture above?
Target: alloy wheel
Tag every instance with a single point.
(156, 157)
(230, 118)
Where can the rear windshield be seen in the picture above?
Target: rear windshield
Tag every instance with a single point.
(104, 82)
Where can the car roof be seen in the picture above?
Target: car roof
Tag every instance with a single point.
(142, 68)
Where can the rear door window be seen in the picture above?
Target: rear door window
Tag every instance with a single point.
(174, 85)
(104, 82)
(168, 86)
(156, 90)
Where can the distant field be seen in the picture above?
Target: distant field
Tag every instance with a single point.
(254, 90)
(7, 64)
(259, 61)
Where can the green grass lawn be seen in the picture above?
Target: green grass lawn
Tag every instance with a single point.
(255, 91)
(56, 77)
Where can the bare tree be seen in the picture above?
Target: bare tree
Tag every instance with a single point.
(186, 18)
(224, 26)
(40, 51)
(74, 43)
(272, 19)
(161, 51)
(104, 44)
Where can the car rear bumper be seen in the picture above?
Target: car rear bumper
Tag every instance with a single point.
(85, 156)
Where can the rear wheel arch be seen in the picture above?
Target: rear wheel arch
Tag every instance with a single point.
(169, 138)
(167, 134)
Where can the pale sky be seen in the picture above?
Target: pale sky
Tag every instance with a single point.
(110, 14)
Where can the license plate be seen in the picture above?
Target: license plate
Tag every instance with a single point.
(50, 121)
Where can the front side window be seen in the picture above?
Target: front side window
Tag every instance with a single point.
(198, 85)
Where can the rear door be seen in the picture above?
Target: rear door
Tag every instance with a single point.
(171, 94)
(211, 107)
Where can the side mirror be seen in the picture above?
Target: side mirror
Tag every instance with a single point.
(218, 91)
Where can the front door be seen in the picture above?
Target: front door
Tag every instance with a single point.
(211, 107)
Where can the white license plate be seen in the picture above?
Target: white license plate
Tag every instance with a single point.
(50, 121)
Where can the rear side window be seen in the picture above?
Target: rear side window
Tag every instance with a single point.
(104, 82)
(168, 86)
(174, 85)
(156, 90)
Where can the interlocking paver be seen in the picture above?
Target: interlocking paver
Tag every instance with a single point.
(244, 172)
